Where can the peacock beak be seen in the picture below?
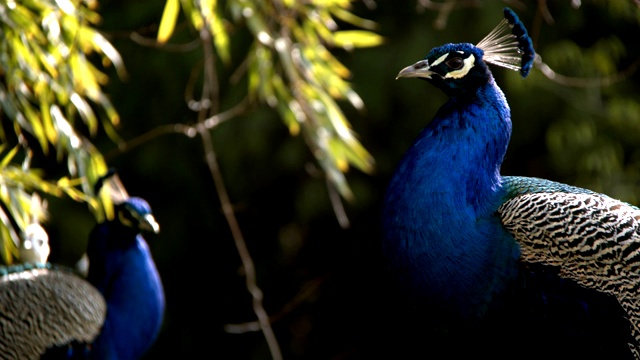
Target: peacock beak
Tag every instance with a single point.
(149, 223)
(421, 69)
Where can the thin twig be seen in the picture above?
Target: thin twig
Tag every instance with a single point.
(150, 42)
(308, 290)
(334, 195)
(336, 203)
(184, 129)
(210, 87)
(432, 5)
(586, 82)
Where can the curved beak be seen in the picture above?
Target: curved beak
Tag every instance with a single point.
(421, 69)
(149, 223)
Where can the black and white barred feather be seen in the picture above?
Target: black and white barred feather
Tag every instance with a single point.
(42, 307)
(591, 238)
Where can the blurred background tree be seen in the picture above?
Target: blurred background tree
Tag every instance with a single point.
(48, 85)
(187, 100)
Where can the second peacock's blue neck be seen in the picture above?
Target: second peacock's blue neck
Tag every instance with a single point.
(441, 235)
(122, 268)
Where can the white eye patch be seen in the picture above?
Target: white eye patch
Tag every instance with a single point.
(468, 64)
(439, 60)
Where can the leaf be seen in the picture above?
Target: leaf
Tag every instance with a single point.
(288, 107)
(7, 158)
(220, 37)
(192, 13)
(85, 112)
(349, 39)
(102, 44)
(263, 72)
(168, 20)
(8, 247)
(350, 18)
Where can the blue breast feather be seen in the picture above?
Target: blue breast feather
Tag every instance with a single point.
(494, 262)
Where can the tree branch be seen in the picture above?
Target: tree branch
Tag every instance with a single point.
(585, 82)
(210, 90)
(184, 129)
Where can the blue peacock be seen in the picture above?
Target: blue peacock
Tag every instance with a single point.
(52, 312)
(464, 240)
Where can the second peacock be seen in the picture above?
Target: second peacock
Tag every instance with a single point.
(466, 241)
(51, 312)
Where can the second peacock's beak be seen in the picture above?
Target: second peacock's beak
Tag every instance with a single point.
(149, 223)
(421, 69)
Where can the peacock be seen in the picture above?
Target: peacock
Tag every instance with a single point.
(53, 312)
(470, 246)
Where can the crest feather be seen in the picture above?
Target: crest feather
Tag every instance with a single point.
(508, 45)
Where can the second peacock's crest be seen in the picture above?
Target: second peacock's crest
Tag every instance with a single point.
(111, 192)
(509, 45)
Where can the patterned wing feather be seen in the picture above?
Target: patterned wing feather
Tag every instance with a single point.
(592, 238)
(41, 308)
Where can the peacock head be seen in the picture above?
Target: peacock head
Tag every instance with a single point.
(136, 213)
(457, 68)
(453, 68)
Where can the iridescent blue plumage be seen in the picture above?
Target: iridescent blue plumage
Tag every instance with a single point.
(121, 267)
(50, 312)
(468, 243)
(454, 163)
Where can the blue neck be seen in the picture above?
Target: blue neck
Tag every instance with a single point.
(440, 231)
(122, 268)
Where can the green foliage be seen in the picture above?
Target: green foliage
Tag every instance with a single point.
(47, 80)
(599, 60)
(52, 101)
(290, 68)
(20, 203)
(592, 142)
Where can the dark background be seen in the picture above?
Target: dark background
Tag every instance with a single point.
(325, 284)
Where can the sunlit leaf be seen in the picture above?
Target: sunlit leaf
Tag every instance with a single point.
(220, 37)
(192, 13)
(110, 52)
(256, 23)
(168, 20)
(357, 39)
(85, 112)
(288, 107)
(8, 157)
(263, 68)
(346, 16)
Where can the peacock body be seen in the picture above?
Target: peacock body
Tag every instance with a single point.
(116, 312)
(121, 267)
(464, 240)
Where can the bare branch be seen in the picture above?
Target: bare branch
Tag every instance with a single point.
(308, 290)
(210, 90)
(150, 42)
(184, 129)
(585, 82)
(338, 207)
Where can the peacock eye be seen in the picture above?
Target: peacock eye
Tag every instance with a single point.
(455, 63)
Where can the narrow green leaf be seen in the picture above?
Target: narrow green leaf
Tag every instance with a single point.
(168, 20)
(105, 47)
(6, 246)
(220, 37)
(7, 158)
(192, 13)
(33, 116)
(346, 16)
(350, 39)
(86, 113)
